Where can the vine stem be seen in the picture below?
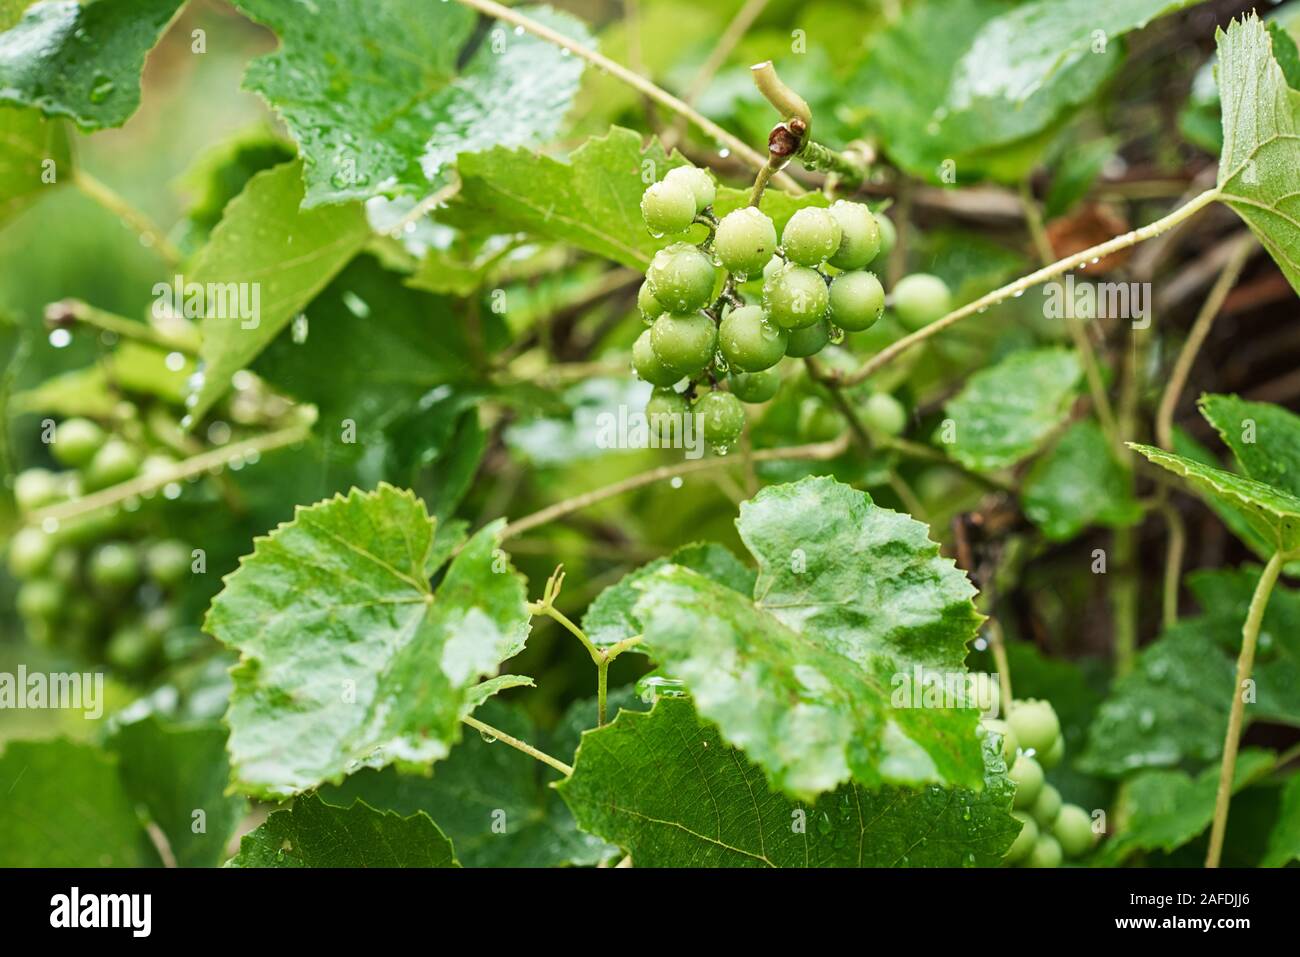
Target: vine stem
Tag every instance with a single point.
(143, 484)
(817, 451)
(120, 207)
(661, 96)
(1132, 238)
(1245, 664)
(76, 310)
(524, 746)
(1174, 552)
(1210, 309)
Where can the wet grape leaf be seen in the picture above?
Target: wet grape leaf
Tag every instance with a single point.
(668, 788)
(1079, 483)
(377, 99)
(82, 60)
(1259, 168)
(315, 834)
(1284, 841)
(347, 657)
(28, 142)
(1006, 412)
(1265, 438)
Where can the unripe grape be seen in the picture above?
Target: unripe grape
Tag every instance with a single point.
(920, 299)
(888, 237)
(857, 301)
(810, 237)
(884, 413)
(1053, 755)
(698, 181)
(668, 207)
(1073, 828)
(76, 441)
(1009, 743)
(859, 235)
(1028, 778)
(168, 561)
(1046, 852)
(132, 649)
(116, 461)
(30, 552)
(773, 265)
(40, 599)
(749, 341)
(724, 418)
(795, 296)
(818, 422)
(755, 386)
(745, 241)
(808, 341)
(651, 308)
(681, 277)
(649, 367)
(1024, 843)
(1036, 724)
(34, 488)
(113, 566)
(684, 343)
(1047, 806)
(666, 402)
(64, 565)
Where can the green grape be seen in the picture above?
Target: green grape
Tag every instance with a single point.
(808, 341)
(76, 441)
(668, 207)
(920, 299)
(755, 387)
(664, 410)
(749, 341)
(745, 241)
(698, 181)
(651, 308)
(65, 565)
(159, 620)
(1028, 778)
(859, 235)
(811, 236)
(116, 461)
(1046, 852)
(648, 365)
(684, 343)
(884, 413)
(724, 418)
(1036, 724)
(888, 237)
(818, 422)
(40, 599)
(987, 693)
(773, 265)
(1047, 806)
(114, 566)
(1009, 743)
(1053, 755)
(132, 649)
(168, 561)
(1024, 843)
(1073, 828)
(681, 277)
(795, 296)
(857, 301)
(34, 488)
(30, 552)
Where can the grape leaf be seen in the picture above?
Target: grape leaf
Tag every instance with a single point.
(1006, 412)
(180, 772)
(1284, 841)
(315, 834)
(265, 245)
(376, 98)
(610, 617)
(1271, 512)
(495, 803)
(347, 657)
(1259, 168)
(27, 141)
(82, 60)
(220, 173)
(668, 788)
(1265, 438)
(62, 804)
(1077, 484)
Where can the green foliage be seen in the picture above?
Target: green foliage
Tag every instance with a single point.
(1077, 484)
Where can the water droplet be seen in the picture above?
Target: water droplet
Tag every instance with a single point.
(60, 338)
(487, 737)
(676, 481)
(50, 525)
(172, 491)
(652, 687)
(101, 88)
(174, 361)
(298, 332)
(824, 823)
(356, 305)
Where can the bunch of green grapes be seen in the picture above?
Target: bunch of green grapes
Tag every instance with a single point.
(817, 284)
(1051, 830)
(95, 585)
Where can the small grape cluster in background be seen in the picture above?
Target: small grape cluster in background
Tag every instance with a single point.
(95, 586)
(818, 284)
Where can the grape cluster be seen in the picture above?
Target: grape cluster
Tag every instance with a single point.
(817, 284)
(95, 586)
(1031, 742)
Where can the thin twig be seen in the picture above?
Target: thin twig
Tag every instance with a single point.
(144, 227)
(498, 735)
